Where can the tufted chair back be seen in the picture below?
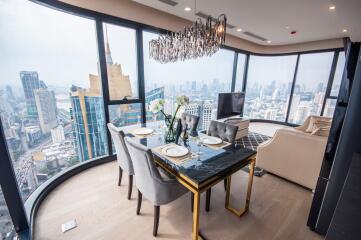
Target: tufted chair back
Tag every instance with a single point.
(123, 157)
(148, 178)
(224, 131)
(190, 121)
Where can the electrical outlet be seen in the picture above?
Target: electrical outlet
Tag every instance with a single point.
(68, 225)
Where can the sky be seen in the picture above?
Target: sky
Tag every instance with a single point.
(62, 48)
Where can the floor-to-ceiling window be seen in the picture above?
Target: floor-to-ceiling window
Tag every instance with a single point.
(269, 85)
(52, 100)
(122, 72)
(330, 103)
(121, 60)
(310, 86)
(6, 226)
(51, 95)
(200, 79)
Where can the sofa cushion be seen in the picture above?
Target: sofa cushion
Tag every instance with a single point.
(318, 122)
(321, 130)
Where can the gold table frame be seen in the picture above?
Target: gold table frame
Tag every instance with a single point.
(197, 189)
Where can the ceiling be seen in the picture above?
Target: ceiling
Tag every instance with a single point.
(275, 19)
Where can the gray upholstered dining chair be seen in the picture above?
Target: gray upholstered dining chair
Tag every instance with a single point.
(190, 122)
(151, 182)
(123, 157)
(226, 132)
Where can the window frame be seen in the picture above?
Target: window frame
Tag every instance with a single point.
(23, 214)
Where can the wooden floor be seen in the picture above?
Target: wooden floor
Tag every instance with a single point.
(278, 210)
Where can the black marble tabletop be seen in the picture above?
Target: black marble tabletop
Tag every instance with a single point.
(201, 167)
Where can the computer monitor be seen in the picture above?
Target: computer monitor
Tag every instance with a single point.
(230, 104)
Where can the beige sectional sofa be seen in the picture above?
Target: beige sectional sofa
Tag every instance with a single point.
(296, 154)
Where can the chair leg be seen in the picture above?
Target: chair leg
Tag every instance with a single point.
(225, 184)
(192, 201)
(120, 176)
(156, 220)
(208, 199)
(139, 202)
(130, 187)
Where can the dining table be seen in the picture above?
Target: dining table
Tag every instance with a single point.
(205, 167)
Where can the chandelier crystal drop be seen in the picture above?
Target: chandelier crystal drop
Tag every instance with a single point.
(196, 40)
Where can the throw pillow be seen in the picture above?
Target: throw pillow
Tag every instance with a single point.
(318, 122)
(322, 131)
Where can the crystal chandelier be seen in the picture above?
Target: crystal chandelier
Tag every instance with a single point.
(196, 40)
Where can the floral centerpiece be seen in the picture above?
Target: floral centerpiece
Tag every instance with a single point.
(157, 106)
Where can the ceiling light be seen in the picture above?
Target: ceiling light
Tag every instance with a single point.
(195, 40)
(344, 30)
(269, 41)
(239, 30)
(333, 7)
(187, 9)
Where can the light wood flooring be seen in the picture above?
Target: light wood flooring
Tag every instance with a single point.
(278, 210)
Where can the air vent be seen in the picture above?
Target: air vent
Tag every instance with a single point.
(254, 36)
(169, 2)
(205, 15)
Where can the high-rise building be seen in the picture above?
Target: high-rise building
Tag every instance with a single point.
(33, 135)
(57, 134)
(88, 110)
(30, 82)
(9, 93)
(271, 114)
(295, 102)
(193, 108)
(46, 108)
(207, 114)
(303, 110)
(89, 122)
(157, 93)
(119, 84)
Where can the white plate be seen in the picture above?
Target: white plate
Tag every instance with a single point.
(211, 140)
(143, 131)
(175, 151)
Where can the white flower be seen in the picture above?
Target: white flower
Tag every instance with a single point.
(181, 110)
(156, 105)
(182, 100)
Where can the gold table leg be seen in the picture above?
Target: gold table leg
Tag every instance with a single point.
(241, 211)
(196, 208)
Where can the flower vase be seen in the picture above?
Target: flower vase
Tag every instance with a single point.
(170, 135)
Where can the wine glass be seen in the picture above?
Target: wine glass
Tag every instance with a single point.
(199, 144)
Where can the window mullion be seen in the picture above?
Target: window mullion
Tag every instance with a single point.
(140, 63)
(330, 80)
(292, 88)
(245, 73)
(234, 73)
(103, 77)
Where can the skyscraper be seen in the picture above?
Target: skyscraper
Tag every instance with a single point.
(46, 108)
(88, 109)
(207, 114)
(157, 93)
(30, 82)
(89, 122)
(57, 134)
(119, 83)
